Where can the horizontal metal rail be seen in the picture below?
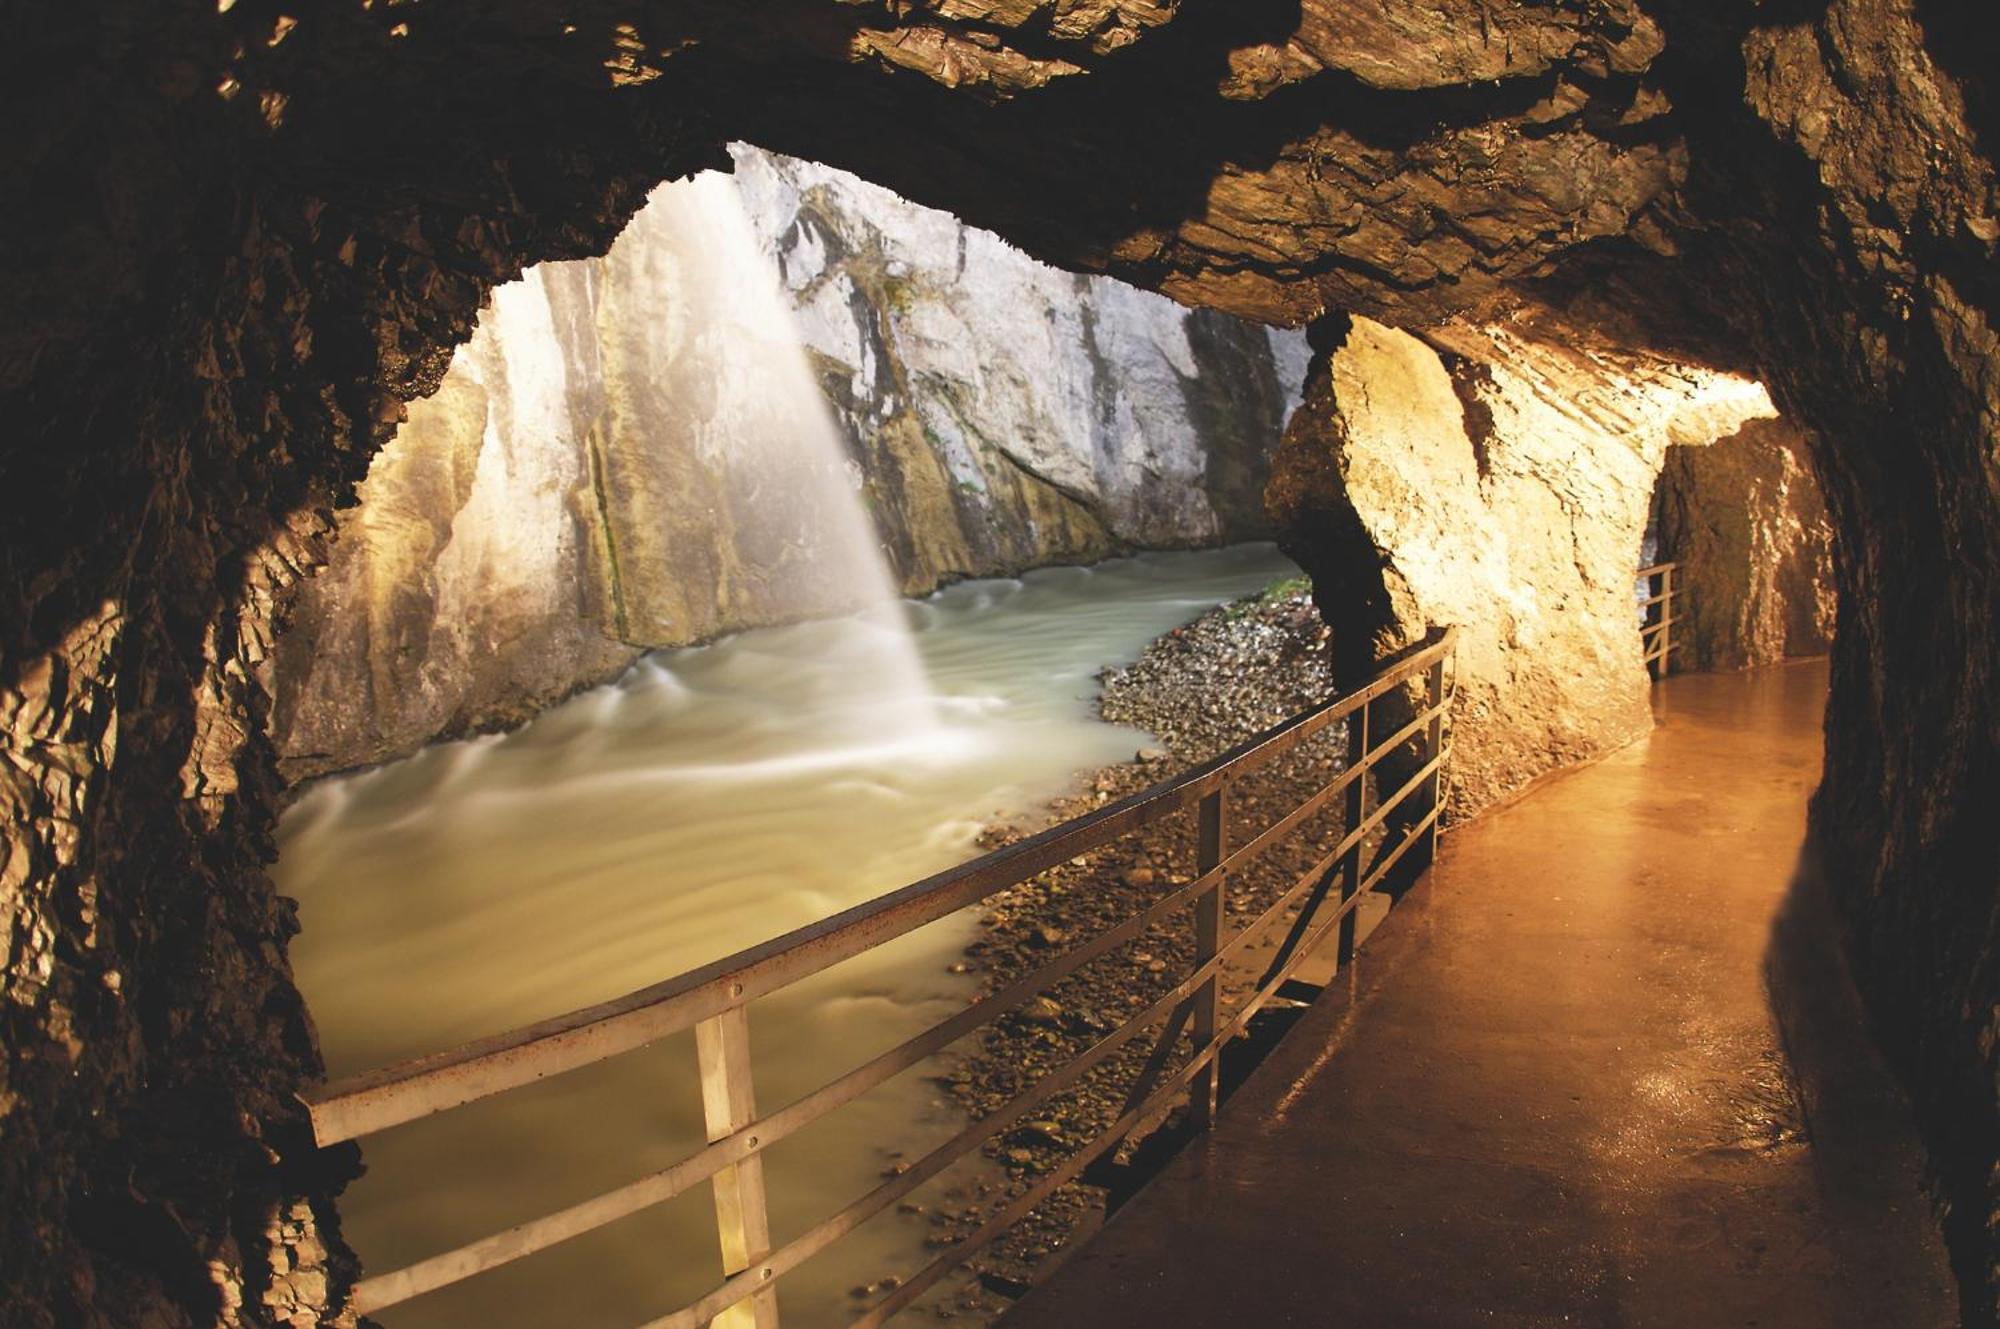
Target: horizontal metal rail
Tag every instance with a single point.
(819, 1238)
(713, 998)
(404, 1091)
(982, 1236)
(528, 1238)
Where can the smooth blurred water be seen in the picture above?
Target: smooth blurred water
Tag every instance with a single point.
(712, 798)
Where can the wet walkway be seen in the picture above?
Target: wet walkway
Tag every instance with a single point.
(1553, 1089)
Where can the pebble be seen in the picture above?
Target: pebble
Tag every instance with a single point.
(1041, 1010)
(1039, 1132)
(1200, 690)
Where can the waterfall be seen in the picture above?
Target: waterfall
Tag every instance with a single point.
(625, 457)
(801, 529)
(743, 505)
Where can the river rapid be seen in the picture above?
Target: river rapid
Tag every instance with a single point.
(713, 797)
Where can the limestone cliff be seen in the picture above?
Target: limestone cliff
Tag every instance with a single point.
(1744, 520)
(592, 477)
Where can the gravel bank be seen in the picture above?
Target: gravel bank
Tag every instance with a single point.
(1199, 690)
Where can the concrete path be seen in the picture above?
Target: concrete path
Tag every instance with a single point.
(1553, 1089)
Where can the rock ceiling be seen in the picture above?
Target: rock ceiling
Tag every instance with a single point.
(240, 236)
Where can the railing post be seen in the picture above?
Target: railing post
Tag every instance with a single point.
(1211, 844)
(1666, 619)
(1434, 751)
(728, 1104)
(1356, 807)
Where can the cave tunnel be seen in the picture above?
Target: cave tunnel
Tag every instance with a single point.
(1549, 270)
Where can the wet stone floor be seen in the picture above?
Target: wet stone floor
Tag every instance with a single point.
(1563, 1084)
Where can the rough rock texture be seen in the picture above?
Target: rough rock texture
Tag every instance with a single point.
(1891, 355)
(588, 481)
(1498, 480)
(191, 368)
(945, 348)
(238, 240)
(1744, 521)
(158, 1169)
(1274, 160)
(461, 589)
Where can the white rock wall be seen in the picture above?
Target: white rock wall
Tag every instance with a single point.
(597, 474)
(1084, 382)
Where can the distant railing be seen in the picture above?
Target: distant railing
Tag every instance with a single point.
(1657, 618)
(715, 998)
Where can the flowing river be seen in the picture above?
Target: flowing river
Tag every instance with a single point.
(711, 798)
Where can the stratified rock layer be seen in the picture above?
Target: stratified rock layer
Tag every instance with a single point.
(238, 240)
(1744, 521)
(610, 466)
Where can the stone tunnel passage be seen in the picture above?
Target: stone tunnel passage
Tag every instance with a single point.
(1496, 477)
(242, 241)
(1557, 1088)
(1745, 522)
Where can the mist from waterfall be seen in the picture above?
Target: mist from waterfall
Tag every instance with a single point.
(693, 343)
(771, 433)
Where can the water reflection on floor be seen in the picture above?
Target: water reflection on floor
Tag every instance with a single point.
(712, 798)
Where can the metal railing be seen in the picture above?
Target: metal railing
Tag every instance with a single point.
(714, 1000)
(1657, 618)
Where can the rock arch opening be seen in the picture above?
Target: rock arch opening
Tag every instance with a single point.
(636, 453)
(1745, 523)
(603, 470)
(246, 241)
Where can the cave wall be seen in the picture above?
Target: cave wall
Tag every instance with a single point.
(1745, 523)
(1497, 479)
(589, 480)
(1883, 331)
(196, 356)
(239, 241)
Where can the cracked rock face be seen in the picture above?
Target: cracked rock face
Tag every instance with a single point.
(241, 240)
(1406, 157)
(1744, 520)
(587, 481)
